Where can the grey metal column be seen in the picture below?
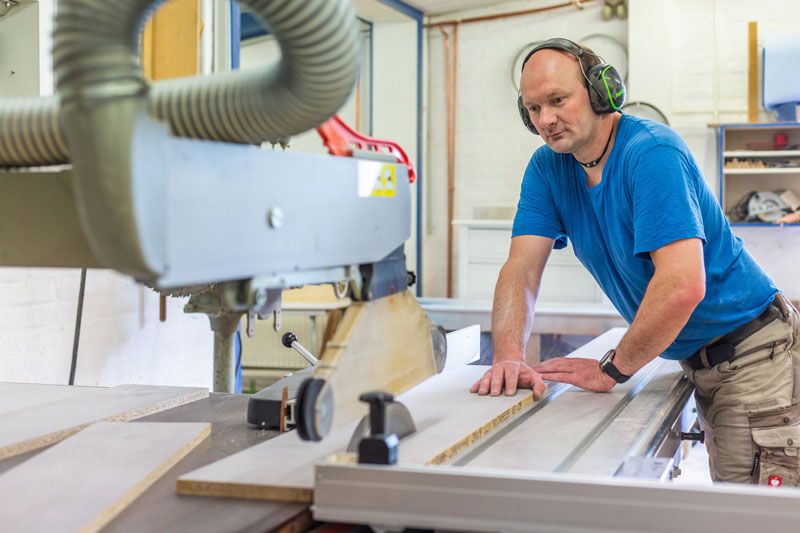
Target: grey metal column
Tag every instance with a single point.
(224, 326)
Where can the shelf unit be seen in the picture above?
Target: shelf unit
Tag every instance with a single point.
(744, 141)
(776, 248)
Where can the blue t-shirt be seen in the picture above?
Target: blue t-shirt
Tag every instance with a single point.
(652, 193)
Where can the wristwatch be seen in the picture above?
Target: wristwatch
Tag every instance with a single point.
(607, 366)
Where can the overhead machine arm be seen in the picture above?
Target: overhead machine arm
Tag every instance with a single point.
(166, 182)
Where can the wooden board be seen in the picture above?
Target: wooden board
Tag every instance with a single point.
(752, 72)
(449, 419)
(14, 396)
(382, 344)
(27, 429)
(83, 482)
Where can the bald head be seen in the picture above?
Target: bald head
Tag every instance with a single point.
(551, 65)
(553, 90)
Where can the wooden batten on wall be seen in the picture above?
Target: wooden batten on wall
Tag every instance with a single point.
(752, 72)
(171, 41)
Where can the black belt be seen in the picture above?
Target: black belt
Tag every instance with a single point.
(724, 348)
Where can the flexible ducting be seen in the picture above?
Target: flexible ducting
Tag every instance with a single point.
(96, 62)
(30, 133)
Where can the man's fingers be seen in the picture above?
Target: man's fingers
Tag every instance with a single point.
(486, 381)
(512, 375)
(497, 382)
(538, 386)
(475, 386)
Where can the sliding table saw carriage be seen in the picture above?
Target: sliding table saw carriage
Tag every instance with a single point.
(152, 181)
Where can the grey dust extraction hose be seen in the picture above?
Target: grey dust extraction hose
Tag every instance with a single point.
(96, 61)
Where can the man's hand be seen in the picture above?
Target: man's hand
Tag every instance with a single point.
(509, 374)
(583, 373)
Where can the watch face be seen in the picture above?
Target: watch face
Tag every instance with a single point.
(607, 357)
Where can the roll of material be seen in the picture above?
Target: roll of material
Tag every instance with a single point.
(96, 62)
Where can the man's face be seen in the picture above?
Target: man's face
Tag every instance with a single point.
(558, 104)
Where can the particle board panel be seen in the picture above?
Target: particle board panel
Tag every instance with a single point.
(82, 483)
(41, 425)
(449, 419)
(14, 396)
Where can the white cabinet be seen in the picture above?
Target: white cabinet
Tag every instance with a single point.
(483, 248)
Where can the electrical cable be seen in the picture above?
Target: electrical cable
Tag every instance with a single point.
(76, 338)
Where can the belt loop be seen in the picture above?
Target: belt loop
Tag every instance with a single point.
(783, 306)
(704, 357)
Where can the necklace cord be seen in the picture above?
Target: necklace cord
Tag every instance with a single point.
(594, 163)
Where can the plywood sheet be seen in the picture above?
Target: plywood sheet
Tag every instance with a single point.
(14, 396)
(381, 344)
(449, 419)
(40, 425)
(81, 483)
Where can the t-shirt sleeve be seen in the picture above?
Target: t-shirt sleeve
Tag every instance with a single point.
(536, 210)
(665, 203)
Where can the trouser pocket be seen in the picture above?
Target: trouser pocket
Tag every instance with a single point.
(776, 434)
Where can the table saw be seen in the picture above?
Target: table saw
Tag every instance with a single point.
(573, 461)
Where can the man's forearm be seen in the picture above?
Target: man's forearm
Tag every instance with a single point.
(666, 307)
(512, 312)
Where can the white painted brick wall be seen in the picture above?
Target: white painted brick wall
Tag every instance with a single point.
(122, 340)
(709, 54)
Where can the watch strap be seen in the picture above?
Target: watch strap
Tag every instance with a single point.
(607, 366)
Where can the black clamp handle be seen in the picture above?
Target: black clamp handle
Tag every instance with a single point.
(377, 401)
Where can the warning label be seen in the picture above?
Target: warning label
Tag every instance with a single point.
(377, 179)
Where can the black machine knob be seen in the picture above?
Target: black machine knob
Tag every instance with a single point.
(377, 410)
(288, 338)
(700, 436)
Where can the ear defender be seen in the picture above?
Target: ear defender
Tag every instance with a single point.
(603, 82)
(526, 118)
(607, 92)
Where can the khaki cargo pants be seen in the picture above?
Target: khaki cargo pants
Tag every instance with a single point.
(748, 407)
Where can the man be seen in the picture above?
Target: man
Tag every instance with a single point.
(643, 221)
